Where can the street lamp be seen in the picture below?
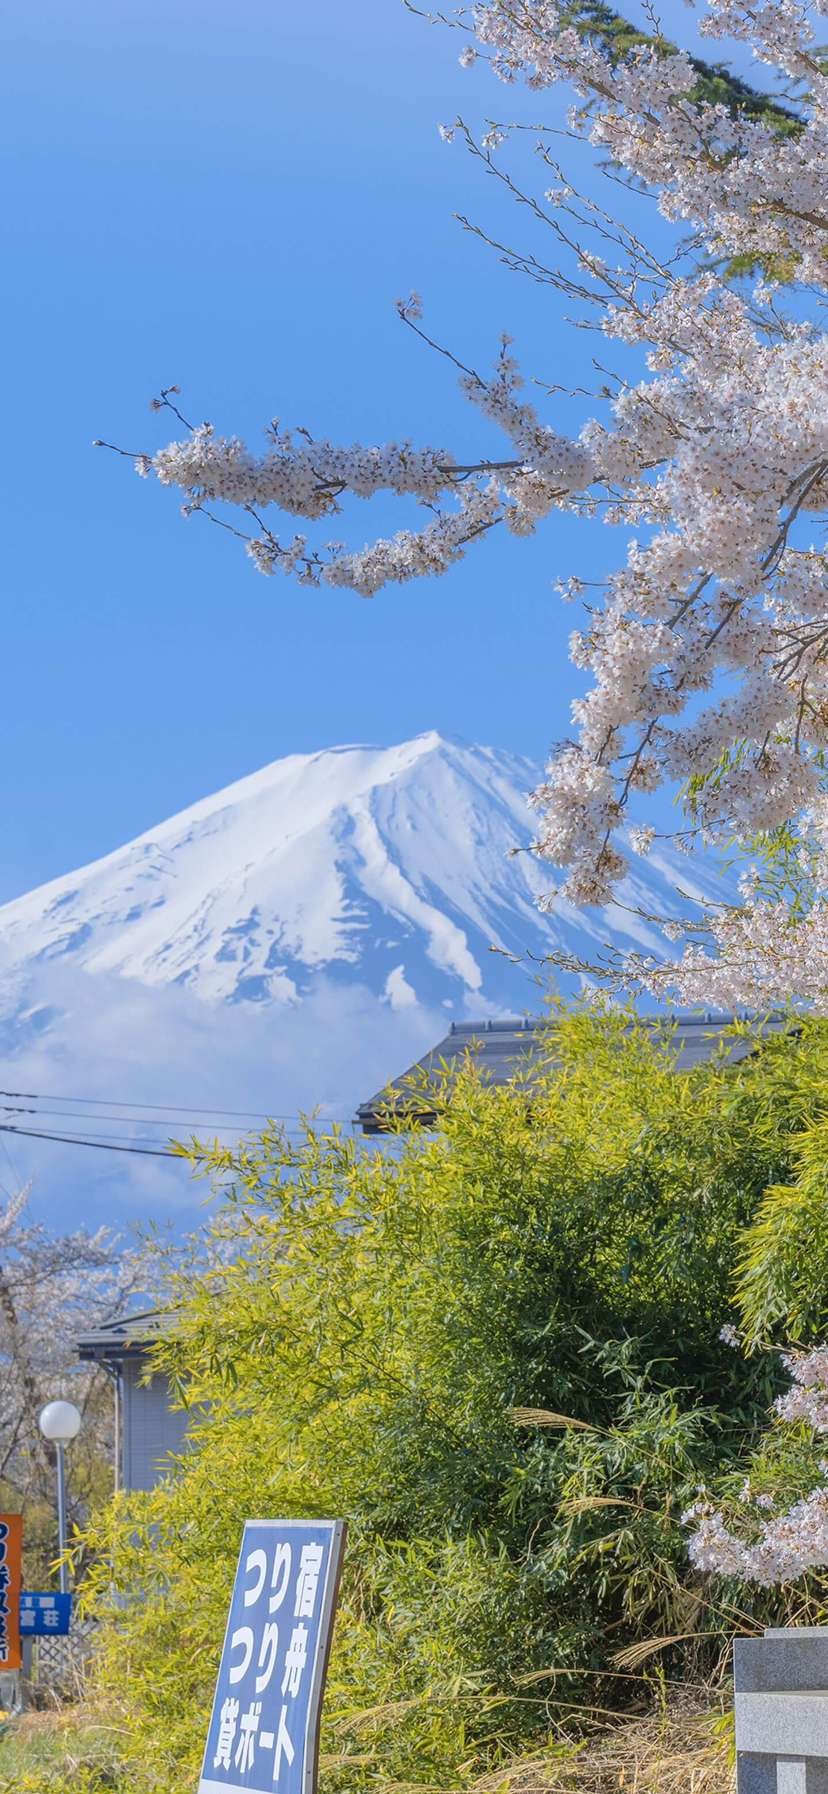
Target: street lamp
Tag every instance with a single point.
(60, 1423)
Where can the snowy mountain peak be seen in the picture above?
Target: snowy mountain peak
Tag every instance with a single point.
(392, 866)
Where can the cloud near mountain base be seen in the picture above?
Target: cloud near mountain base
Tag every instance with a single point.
(106, 1039)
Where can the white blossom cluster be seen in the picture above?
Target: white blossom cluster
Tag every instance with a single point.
(795, 1540)
(707, 654)
(788, 1545)
(301, 477)
(760, 955)
(51, 1287)
(750, 191)
(807, 1398)
(411, 554)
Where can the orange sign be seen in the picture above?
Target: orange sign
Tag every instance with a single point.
(11, 1576)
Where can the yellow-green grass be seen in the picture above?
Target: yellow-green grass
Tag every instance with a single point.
(71, 1751)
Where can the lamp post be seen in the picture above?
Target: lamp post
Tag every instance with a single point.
(60, 1423)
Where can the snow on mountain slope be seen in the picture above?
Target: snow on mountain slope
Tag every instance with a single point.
(393, 866)
(291, 942)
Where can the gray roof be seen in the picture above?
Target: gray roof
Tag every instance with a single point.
(508, 1049)
(127, 1336)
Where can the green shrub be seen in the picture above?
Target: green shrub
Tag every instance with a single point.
(354, 1339)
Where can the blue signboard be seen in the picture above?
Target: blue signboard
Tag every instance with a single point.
(264, 1730)
(44, 1616)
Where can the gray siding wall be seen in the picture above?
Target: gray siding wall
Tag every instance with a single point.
(150, 1428)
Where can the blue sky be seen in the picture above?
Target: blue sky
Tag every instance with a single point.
(231, 197)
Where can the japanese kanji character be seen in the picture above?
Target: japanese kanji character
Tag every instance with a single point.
(280, 1576)
(246, 1747)
(50, 1619)
(267, 1655)
(242, 1639)
(310, 1564)
(284, 1746)
(295, 1660)
(228, 1721)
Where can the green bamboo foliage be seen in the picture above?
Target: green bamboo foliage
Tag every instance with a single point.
(496, 1352)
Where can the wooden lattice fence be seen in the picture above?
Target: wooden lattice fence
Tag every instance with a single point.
(59, 1665)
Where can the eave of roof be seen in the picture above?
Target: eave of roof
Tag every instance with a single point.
(127, 1336)
(505, 1048)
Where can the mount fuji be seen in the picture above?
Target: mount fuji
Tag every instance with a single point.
(292, 941)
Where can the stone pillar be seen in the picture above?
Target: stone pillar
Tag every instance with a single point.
(781, 1692)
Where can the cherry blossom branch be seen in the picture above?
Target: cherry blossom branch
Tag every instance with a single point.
(705, 656)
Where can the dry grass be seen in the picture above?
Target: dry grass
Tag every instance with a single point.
(684, 1749)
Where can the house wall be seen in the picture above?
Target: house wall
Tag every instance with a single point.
(150, 1428)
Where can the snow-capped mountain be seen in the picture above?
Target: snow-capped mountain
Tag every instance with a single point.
(293, 940)
(396, 867)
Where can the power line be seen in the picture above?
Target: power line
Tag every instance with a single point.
(133, 1120)
(99, 1102)
(101, 1143)
(128, 1138)
(128, 1128)
(93, 1110)
(152, 1152)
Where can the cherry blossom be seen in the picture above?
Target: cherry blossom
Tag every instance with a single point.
(705, 657)
(795, 1538)
(53, 1287)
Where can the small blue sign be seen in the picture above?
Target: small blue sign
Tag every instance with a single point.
(264, 1730)
(44, 1616)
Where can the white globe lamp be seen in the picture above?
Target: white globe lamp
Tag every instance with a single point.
(60, 1423)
